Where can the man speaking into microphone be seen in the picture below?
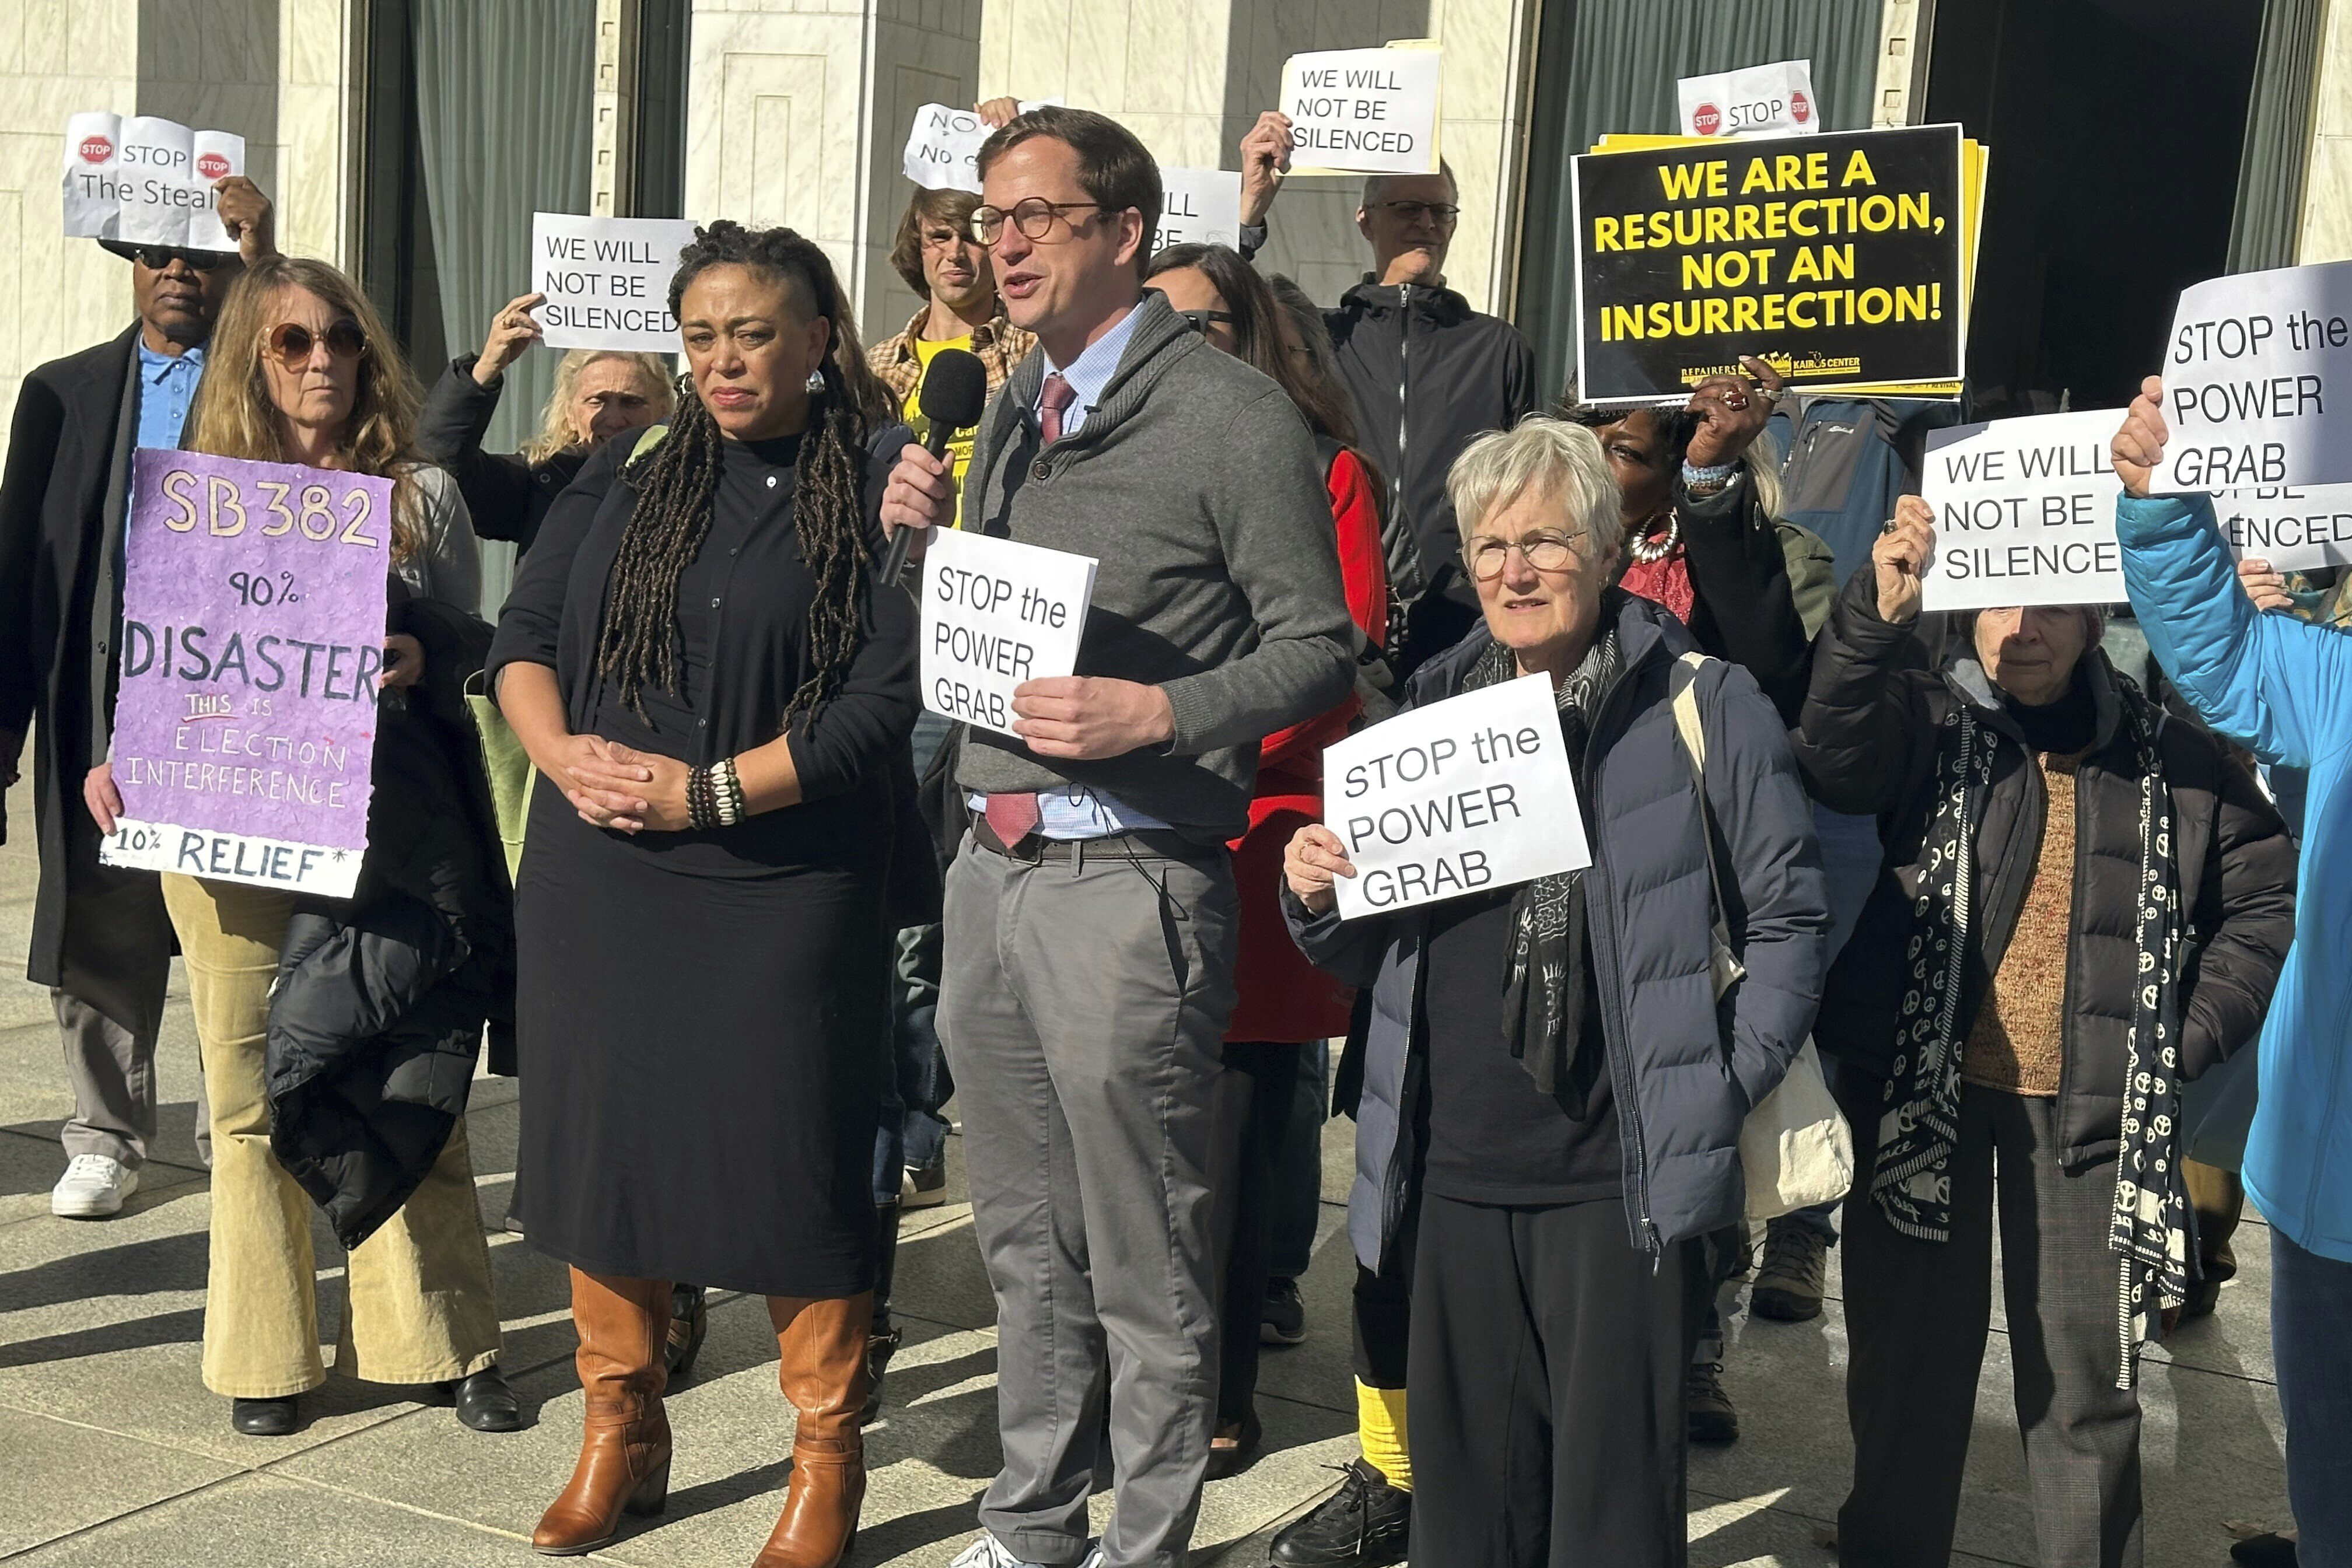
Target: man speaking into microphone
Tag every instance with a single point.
(1090, 913)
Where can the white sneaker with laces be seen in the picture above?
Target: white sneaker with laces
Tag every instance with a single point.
(988, 1553)
(93, 1187)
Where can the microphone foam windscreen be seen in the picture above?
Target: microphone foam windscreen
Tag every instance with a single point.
(955, 389)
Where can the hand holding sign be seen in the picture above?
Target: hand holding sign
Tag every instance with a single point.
(512, 331)
(1900, 560)
(1001, 620)
(2025, 509)
(1265, 156)
(2138, 446)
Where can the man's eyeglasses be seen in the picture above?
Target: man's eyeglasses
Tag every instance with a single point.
(1544, 552)
(155, 257)
(1441, 213)
(1035, 217)
(291, 342)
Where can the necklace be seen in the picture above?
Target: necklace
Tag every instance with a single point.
(1650, 551)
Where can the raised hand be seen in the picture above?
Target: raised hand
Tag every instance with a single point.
(1265, 152)
(1899, 557)
(2139, 446)
(1310, 861)
(512, 331)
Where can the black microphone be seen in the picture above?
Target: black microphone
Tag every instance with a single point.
(955, 390)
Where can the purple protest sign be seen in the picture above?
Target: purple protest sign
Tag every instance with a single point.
(253, 608)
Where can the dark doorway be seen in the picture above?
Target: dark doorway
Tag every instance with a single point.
(2114, 128)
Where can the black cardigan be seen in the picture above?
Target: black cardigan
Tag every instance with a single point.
(508, 495)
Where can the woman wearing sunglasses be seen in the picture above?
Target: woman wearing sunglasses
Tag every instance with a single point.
(301, 371)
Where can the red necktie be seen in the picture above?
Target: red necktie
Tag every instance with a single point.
(1011, 816)
(1058, 397)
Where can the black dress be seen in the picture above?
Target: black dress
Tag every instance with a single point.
(702, 1016)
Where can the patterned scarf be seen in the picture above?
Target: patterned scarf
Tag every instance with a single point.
(1911, 1182)
(1543, 994)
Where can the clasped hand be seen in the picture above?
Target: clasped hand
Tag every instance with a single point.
(613, 786)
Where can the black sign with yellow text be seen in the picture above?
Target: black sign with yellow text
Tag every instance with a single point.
(1838, 259)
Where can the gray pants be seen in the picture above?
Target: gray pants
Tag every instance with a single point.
(1082, 1006)
(117, 963)
(1916, 1314)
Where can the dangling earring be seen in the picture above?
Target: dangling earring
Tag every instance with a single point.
(815, 382)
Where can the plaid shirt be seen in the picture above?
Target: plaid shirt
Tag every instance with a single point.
(1000, 345)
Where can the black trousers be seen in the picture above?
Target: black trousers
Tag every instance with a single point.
(1272, 1067)
(1916, 1314)
(1546, 1409)
(1382, 1318)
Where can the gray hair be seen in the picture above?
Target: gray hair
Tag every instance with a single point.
(1376, 185)
(1546, 457)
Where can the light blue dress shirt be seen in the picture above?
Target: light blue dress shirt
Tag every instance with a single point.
(1075, 811)
(167, 386)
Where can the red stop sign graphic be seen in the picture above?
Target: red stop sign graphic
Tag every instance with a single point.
(1800, 108)
(1707, 119)
(96, 150)
(212, 165)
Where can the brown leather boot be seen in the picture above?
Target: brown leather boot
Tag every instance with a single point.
(624, 1450)
(824, 1375)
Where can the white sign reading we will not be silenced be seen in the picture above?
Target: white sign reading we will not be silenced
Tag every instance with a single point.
(2025, 512)
(2258, 382)
(606, 280)
(997, 613)
(1363, 112)
(1468, 793)
(2296, 527)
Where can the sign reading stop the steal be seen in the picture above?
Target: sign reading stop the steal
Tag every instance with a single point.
(997, 613)
(1467, 794)
(146, 179)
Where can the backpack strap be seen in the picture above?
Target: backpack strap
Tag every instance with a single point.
(1682, 680)
(648, 439)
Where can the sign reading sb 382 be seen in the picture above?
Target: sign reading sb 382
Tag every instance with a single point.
(253, 608)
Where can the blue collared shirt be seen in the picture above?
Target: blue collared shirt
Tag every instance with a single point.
(167, 384)
(1074, 811)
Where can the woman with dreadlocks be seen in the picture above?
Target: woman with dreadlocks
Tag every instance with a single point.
(717, 693)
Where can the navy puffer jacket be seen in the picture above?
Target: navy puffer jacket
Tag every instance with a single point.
(1685, 1068)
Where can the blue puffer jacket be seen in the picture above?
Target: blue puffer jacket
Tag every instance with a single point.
(1685, 1068)
(2284, 689)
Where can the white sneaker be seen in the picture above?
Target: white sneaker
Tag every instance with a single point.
(988, 1553)
(93, 1187)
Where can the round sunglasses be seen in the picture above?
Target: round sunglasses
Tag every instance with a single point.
(291, 342)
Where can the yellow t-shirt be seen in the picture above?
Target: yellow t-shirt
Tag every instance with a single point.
(960, 449)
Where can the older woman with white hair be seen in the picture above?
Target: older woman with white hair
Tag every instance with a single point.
(1549, 1073)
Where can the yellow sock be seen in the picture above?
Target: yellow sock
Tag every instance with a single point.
(1379, 1428)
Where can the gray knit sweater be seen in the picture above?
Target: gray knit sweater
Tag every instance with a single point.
(1195, 484)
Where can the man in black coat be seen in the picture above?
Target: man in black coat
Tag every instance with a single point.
(1427, 375)
(102, 942)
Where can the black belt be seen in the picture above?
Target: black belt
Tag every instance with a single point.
(1033, 849)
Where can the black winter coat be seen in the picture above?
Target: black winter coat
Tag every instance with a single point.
(507, 494)
(1427, 375)
(381, 998)
(66, 443)
(1867, 744)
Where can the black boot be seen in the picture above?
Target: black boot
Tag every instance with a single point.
(264, 1417)
(485, 1403)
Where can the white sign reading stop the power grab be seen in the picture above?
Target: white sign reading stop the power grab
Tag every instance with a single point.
(2296, 527)
(149, 181)
(1363, 112)
(606, 280)
(1464, 794)
(1761, 100)
(2257, 383)
(1200, 206)
(997, 613)
(2025, 512)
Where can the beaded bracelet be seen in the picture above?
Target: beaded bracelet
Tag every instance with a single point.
(701, 808)
(727, 791)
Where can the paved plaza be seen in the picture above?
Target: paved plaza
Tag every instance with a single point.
(114, 1454)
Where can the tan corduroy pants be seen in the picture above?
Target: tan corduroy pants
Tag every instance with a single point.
(419, 1306)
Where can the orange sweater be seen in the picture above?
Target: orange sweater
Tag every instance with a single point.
(2015, 1042)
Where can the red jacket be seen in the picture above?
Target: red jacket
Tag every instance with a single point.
(1278, 995)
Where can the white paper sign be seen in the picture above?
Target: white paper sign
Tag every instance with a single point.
(2258, 382)
(2296, 527)
(944, 147)
(1363, 112)
(2025, 512)
(1200, 206)
(149, 181)
(606, 280)
(1761, 100)
(997, 613)
(1466, 794)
